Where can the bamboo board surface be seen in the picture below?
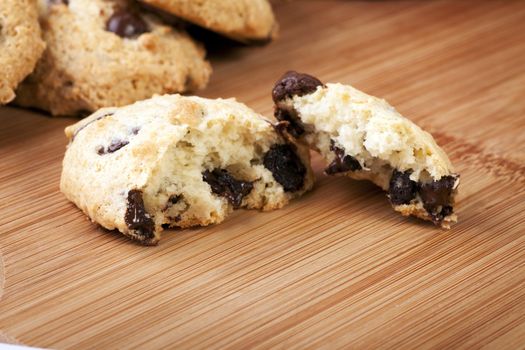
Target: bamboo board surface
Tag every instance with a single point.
(336, 268)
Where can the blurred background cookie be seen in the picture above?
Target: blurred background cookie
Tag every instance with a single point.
(106, 53)
(243, 20)
(20, 44)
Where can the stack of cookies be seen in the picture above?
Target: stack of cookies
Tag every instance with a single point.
(72, 57)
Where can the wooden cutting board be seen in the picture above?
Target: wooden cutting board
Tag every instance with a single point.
(336, 268)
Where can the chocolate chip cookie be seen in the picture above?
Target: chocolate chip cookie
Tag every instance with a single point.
(363, 137)
(175, 161)
(104, 53)
(21, 44)
(243, 20)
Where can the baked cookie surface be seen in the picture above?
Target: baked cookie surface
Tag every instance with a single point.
(104, 53)
(243, 20)
(363, 137)
(179, 161)
(21, 44)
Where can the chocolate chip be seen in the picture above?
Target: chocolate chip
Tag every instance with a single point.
(286, 167)
(295, 127)
(293, 83)
(436, 197)
(135, 130)
(114, 146)
(402, 190)
(126, 24)
(174, 199)
(447, 210)
(136, 217)
(342, 163)
(225, 185)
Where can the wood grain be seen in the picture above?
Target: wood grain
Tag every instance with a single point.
(335, 269)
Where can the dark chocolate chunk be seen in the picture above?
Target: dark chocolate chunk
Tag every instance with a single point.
(225, 185)
(126, 24)
(295, 127)
(342, 163)
(286, 167)
(136, 217)
(293, 83)
(174, 199)
(436, 197)
(114, 146)
(402, 190)
(447, 210)
(135, 130)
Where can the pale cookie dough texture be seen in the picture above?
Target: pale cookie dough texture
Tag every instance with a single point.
(243, 20)
(103, 53)
(175, 161)
(363, 137)
(21, 44)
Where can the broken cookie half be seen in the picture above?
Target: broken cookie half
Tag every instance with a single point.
(363, 137)
(175, 161)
